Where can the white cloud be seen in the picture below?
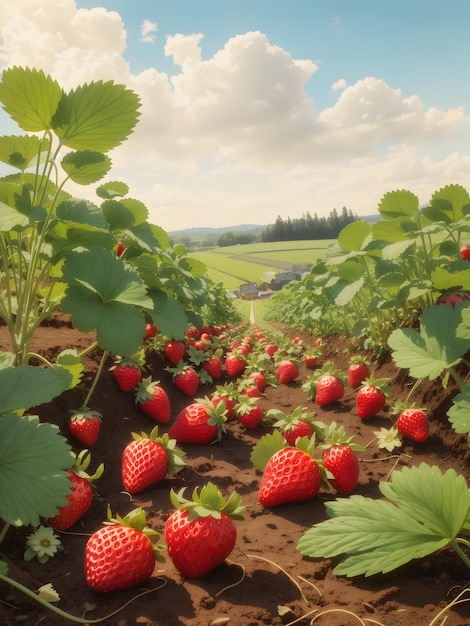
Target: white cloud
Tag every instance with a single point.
(339, 84)
(236, 138)
(148, 31)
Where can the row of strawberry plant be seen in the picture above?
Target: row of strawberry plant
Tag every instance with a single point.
(380, 275)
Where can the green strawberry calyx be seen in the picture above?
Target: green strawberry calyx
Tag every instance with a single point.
(335, 435)
(287, 421)
(175, 456)
(378, 383)
(137, 360)
(85, 413)
(137, 519)
(227, 390)
(217, 414)
(145, 390)
(82, 461)
(209, 501)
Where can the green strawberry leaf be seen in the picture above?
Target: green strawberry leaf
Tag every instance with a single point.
(33, 459)
(96, 116)
(86, 167)
(29, 97)
(105, 294)
(433, 350)
(459, 413)
(377, 536)
(265, 448)
(70, 361)
(26, 386)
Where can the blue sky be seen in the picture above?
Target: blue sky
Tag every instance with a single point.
(262, 108)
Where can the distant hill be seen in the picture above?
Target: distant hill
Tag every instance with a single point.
(208, 230)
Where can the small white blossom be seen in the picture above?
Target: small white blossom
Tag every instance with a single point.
(388, 438)
(42, 544)
(48, 593)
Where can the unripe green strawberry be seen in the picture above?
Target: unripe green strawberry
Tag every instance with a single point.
(148, 459)
(200, 533)
(121, 554)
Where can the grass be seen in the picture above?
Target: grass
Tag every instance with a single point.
(233, 265)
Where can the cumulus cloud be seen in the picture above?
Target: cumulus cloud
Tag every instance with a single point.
(148, 31)
(236, 136)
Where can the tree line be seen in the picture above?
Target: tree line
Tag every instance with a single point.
(308, 227)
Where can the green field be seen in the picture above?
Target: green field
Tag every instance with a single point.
(233, 265)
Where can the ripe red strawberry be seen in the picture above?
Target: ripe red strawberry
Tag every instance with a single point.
(199, 422)
(249, 413)
(85, 426)
(200, 533)
(187, 380)
(290, 475)
(80, 497)
(235, 363)
(271, 349)
(259, 380)
(329, 389)
(287, 371)
(148, 459)
(127, 373)
(213, 366)
(465, 253)
(311, 358)
(413, 423)
(358, 371)
(120, 249)
(452, 297)
(121, 554)
(174, 351)
(371, 397)
(343, 463)
(150, 331)
(153, 400)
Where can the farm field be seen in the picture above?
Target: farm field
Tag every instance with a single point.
(265, 574)
(234, 264)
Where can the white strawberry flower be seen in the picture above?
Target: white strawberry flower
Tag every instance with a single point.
(42, 544)
(388, 438)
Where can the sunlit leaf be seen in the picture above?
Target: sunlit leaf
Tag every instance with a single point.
(97, 116)
(86, 167)
(398, 203)
(376, 536)
(29, 97)
(435, 348)
(21, 151)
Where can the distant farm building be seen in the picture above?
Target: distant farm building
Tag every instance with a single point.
(283, 278)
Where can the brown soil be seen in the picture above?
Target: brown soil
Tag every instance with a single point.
(258, 578)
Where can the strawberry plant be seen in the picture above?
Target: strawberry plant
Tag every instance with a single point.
(378, 536)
